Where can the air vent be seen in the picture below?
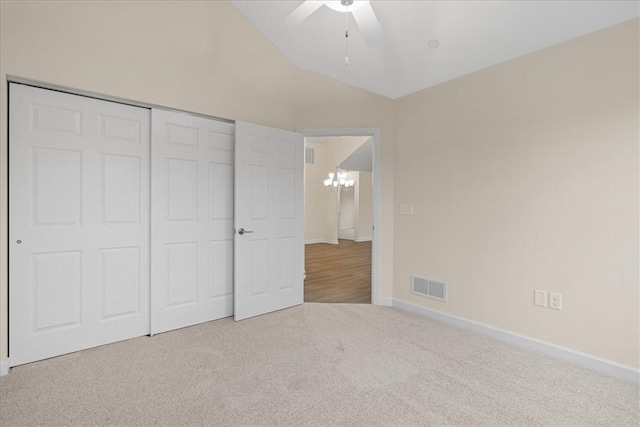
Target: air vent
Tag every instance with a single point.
(429, 288)
(310, 155)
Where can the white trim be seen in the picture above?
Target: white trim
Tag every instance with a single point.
(4, 367)
(375, 238)
(362, 239)
(314, 241)
(104, 97)
(595, 363)
(347, 233)
(385, 301)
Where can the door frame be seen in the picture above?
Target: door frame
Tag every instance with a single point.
(355, 206)
(374, 133)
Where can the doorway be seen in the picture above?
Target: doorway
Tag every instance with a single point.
(341, 199)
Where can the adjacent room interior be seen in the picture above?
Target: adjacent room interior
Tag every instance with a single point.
(154, 226)
(338, 219)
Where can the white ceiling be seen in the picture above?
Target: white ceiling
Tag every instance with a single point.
(472, 34)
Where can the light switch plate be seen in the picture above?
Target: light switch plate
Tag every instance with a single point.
(540, 298)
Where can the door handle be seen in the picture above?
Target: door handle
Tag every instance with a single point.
(242, 231)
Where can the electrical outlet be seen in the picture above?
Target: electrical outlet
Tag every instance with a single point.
(555, 301)
(540, 298)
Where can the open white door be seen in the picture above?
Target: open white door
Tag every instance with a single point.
(269, 221)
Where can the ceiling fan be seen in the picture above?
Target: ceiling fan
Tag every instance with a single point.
(361, 10)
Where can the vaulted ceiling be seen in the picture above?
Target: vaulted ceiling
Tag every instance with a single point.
(423, 43)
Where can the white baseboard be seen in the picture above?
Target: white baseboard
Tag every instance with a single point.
(4, 367)
(388, 302)
(595, 363)
(314, 241)
(347, 233)
(363, 239)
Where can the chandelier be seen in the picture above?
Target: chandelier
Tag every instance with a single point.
(338, 181)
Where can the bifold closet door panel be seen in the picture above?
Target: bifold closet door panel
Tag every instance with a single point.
(192, 220)
(79, 223)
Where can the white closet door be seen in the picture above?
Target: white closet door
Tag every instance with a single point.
(79, 223)
(192, 220)
(269, 220)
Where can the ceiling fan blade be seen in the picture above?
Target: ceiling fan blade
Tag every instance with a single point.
(301, 13)
(368, 23)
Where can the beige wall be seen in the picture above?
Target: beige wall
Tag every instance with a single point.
(317, 200)
(203, 57)
(524, 176)
(364, 227)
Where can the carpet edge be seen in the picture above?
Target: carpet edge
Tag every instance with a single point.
(610, 367)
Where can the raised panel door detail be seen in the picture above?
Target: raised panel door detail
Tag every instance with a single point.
(286, 253)
(268, 263)
(182, 135)
(182, 264)
(183, 189)
(258, 144)
(285, 193)
(120, 277)
(221, 141)
(121, 188)
(192, 220)
(259, 261)
(55, 118)
(119, 128)
(286, 149)
(259, 191)
(57, 186)
(79, 208)
(220, 268)
(220, 191)
(57, 289)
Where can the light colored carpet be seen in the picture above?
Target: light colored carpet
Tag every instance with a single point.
(315, 364)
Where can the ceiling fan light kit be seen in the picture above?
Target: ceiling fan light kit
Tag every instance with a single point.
(398, 47)
(361, 10)
(342, 5)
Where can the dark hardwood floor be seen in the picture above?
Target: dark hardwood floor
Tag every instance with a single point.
(338, 273)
